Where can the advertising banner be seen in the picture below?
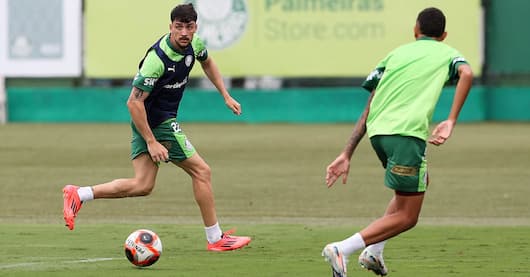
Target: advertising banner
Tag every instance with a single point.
(283, 38)
(40, 38)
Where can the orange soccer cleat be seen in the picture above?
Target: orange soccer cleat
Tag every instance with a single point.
(227, 242)
(72, 205)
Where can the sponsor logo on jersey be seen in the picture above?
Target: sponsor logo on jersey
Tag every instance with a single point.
(177, 84)
(222, 22)
(404, 170)
(149, 82)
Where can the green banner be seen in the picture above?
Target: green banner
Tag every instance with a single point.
(328, 105)
(285, 38)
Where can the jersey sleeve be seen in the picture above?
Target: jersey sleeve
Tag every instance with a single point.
(375, 76)
(152, 68)
(453, 67)
(199, 47)
(373, 79)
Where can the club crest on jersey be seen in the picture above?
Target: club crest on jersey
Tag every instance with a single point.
(188, 60)
(222, 22)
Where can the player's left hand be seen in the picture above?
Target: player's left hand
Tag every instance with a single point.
(442, 132)
(233, 105)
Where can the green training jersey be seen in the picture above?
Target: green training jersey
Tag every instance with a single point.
(408, 83)
(153, 67)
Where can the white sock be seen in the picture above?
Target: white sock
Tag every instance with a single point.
(377, 248)
(85, 193)
(351, 244)
(213, 233)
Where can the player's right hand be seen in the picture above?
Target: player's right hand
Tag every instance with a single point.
(339, 167)
(158, 152)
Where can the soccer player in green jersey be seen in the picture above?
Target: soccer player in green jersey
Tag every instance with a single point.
(156, 135)
(404, 89)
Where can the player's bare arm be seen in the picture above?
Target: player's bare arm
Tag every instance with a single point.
(443, 131)
(341, 165)
(212, 72)
(359, 130)
(136, 107)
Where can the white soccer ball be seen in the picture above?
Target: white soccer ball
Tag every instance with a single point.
(143, 247)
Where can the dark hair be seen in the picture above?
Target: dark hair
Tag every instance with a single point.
(184, 13)
(431, 22)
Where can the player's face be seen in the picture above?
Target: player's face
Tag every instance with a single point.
(182, 33)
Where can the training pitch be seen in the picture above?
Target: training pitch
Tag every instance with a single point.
(269, 183)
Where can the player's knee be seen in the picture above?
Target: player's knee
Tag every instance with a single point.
(203, 173)
(144, 191)
(143, 188)
(410, 222)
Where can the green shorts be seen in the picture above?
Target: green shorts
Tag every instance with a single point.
(169, 134)
(404, 161)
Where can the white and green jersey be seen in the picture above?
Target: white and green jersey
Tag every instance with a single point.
(408, 83)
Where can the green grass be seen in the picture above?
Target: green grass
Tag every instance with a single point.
(269, 183)
(277, 250)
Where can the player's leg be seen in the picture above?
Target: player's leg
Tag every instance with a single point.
(403, 158)
(183, 154)
(200, 174)
(408, 207)
(141, 184)
(405, 171)
(371, 257)
(377, 248)
(402, 214)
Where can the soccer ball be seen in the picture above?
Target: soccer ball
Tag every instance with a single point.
(143, 247)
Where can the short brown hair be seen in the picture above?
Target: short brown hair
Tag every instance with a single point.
(184, 13)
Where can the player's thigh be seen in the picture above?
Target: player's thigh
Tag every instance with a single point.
(410, 203)
(195, 166)
(145, 170)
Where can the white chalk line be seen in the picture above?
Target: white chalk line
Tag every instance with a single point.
(37, 264)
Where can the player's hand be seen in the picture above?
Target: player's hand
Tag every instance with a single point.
(233, 105)
(339, 167)
(442, 132)
(158, 152)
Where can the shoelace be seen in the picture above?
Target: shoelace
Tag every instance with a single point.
(229, 232)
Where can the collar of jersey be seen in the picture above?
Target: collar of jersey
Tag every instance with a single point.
(425, 38)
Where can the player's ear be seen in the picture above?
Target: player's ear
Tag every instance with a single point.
(442, 37)
(416, 30)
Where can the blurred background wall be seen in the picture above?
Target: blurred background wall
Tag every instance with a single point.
(284, 60)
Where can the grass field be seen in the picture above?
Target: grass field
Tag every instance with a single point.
(269, 183)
